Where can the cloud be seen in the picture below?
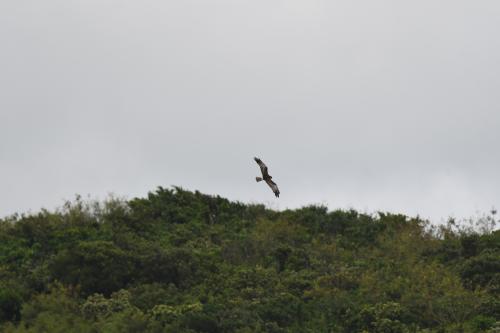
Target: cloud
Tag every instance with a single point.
(378, 106)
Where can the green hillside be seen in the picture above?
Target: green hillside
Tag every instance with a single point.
(180, 261)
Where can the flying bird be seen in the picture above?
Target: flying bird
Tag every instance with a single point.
(266, 177)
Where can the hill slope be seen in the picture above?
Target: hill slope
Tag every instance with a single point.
(179, 261)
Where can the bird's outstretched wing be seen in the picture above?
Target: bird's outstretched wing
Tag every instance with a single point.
(273, 187)
(263, 167)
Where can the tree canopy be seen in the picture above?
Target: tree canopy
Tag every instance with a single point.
(182, 261)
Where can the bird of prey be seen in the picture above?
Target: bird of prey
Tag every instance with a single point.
(266, 177)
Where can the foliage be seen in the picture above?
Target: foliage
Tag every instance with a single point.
(181, 261)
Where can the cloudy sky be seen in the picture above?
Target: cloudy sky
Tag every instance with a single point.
(377, 105)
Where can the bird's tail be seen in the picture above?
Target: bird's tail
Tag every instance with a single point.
(258, 179)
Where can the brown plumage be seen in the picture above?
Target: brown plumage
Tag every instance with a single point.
(266, 177)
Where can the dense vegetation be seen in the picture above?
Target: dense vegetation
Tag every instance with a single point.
(179, 261)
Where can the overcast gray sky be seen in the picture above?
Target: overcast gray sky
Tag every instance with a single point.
(377, 105)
